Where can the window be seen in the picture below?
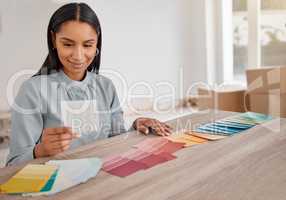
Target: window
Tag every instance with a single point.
(240, 38)
(273, 32)
(268, 27)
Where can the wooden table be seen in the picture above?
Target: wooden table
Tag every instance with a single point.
(251, 165)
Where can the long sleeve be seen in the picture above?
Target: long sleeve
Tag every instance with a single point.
(26, 124)
(117, 120)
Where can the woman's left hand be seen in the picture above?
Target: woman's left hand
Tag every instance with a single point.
(146, 125)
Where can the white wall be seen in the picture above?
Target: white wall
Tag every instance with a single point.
(148, 40)
(142, 41)
(195, 47)
(22, 38)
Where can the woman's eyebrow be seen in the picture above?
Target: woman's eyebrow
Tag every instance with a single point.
(91, 40)
(70, 40)
(67, 39)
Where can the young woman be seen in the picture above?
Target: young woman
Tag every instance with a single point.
(70, 74)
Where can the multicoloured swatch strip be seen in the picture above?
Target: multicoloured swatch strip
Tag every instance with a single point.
(32, 178)
(155, 151)
(234, 124)
(52, 177)
(145, 155)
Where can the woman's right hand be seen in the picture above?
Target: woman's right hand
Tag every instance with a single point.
(54, 141)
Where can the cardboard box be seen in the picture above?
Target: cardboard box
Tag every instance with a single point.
(271, 104)
(226, 98)
(266, 89)
(266, 80)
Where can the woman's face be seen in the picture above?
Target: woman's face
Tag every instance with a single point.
(76, 44)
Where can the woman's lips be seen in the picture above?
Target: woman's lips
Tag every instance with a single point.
(76, 65)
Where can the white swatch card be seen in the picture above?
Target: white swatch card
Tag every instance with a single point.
(80, 115)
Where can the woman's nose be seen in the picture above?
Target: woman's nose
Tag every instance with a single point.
(78, 53)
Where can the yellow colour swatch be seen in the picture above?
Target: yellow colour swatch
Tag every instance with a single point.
(194, 138)
(187, 142)
(207, 136)
(32, 178)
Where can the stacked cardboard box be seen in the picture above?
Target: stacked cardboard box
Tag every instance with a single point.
(227, 97)
(267, 90)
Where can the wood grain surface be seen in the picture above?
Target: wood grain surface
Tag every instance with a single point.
(251, 165)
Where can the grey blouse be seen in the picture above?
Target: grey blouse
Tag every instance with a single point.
(38, 106)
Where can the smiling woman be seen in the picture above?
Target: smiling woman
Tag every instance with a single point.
(68, 103)
(73, 26)
(76, 46)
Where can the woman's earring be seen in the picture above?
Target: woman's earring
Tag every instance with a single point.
(97, 52)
